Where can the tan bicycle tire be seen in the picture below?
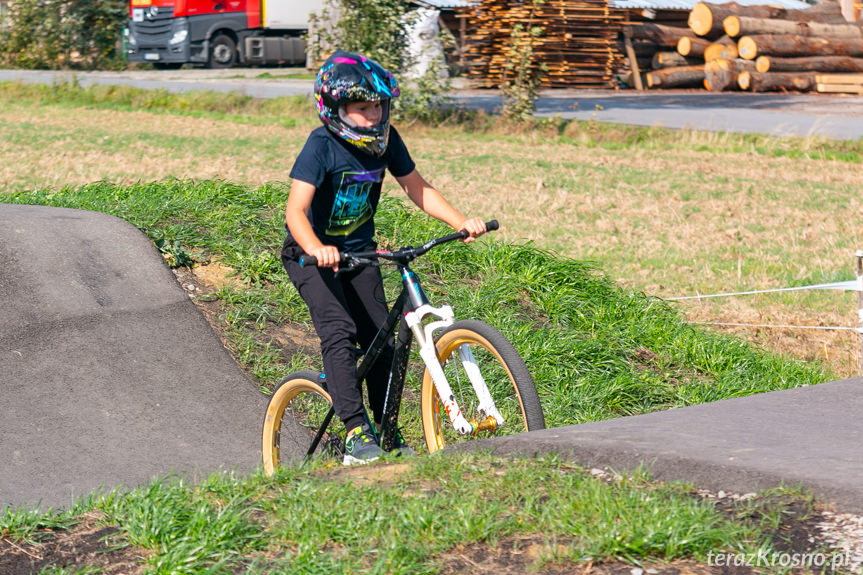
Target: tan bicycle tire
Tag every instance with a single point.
(301, 382)
(512, 379)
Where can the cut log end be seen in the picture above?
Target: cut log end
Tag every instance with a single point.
(723, 51)
(700, 19)
(731, 25)
(762, 64)
(684, 46)
(718, 76)
(744, 79)
(747, 48)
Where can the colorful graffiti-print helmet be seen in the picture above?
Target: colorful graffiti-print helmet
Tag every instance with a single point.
(346, 77)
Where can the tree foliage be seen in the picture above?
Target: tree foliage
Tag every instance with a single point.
(63, 33)
(521, 74)
(373, 28)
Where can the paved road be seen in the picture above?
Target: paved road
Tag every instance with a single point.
(831, 116)
(109, 374)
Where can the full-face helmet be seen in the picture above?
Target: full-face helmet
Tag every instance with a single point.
(347, 77)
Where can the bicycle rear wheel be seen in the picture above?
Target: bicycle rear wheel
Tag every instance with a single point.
(295, 413)
(504, 372)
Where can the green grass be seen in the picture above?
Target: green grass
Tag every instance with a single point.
(298, 75)
(414, 518)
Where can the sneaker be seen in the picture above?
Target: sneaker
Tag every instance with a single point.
(361, 447)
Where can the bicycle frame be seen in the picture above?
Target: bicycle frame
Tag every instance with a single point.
(413, 308)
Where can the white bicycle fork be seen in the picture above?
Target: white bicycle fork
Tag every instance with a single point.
(424, 336)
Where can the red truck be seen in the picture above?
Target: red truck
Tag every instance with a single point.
(218, 33)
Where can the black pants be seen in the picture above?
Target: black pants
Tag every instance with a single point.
(346, 311)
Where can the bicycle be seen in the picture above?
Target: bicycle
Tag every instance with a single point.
(474, 383)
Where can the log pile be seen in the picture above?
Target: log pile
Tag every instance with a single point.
(577, 46)
(729, 46)
(779, 49)
(757, 47)
(663, 64)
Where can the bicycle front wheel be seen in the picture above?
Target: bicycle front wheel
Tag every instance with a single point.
(296, 412)
(504, 372)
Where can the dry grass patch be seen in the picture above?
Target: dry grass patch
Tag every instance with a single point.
(681, 222)
(840, 349)
(59, 146)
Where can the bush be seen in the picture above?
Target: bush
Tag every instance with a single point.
(63, 34)
(373, 28)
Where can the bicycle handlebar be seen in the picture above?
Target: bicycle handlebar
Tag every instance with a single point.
(401, 255)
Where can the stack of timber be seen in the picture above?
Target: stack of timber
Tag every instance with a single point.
(778, 49)
(577, 45)
(651, 48)
(678, 53)
(845, 83)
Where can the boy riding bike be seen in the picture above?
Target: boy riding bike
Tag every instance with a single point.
(337, 181)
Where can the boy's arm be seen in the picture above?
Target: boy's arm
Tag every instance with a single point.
(297, 219)
(429, 200)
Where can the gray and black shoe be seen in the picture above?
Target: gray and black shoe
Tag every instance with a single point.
(361, 447)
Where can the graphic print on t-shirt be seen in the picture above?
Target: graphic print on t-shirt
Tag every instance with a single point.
(351, 207)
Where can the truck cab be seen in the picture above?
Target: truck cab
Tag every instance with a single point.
(218, 33)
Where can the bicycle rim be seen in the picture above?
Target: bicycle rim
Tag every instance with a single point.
(294, 415)
(505, 374)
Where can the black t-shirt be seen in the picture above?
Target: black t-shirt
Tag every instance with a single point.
(347, 185)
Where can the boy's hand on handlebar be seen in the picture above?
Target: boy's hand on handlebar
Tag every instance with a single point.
(475, 227)
(327, 256)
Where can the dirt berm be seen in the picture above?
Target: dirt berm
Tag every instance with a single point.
(109, 374)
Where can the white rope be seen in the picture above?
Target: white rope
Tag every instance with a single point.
(825, 327)
(851, 285)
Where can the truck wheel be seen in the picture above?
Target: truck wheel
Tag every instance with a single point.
(223, 52)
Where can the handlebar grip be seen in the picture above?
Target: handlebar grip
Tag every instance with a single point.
(307, 260)
(492, 225)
